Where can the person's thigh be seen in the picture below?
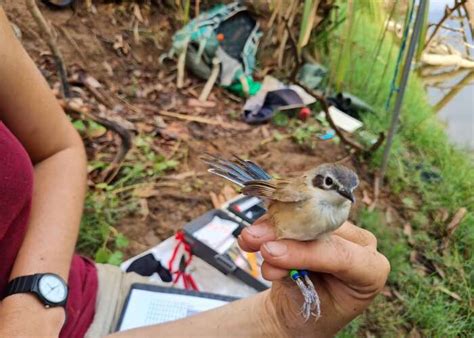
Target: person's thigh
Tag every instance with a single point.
(114, 286)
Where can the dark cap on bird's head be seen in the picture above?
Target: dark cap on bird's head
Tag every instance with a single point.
(331, 176)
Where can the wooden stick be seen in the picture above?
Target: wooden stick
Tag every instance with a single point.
(198, 119)
(288, 19)
(73, 43)
(211, 80)
(446, 16)
(197, 6)
(192, 118)
(52, 44)
(181, 67)
(299, 59)
(89, 5)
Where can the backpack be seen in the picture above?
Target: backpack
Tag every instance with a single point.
(226, 35)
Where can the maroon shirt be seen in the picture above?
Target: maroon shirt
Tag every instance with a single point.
(16, 187)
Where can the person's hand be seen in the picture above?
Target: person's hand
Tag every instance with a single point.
(22, 315)
(347, 271)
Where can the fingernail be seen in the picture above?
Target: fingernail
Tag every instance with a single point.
(258, 230)
(276, 248)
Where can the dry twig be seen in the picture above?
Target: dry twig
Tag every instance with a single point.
(73, 43)
(192, 118)
(447, 14)
(52, 44)
(452, 226)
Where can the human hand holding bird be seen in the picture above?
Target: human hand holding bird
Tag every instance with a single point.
(346, 268)
(303, 208)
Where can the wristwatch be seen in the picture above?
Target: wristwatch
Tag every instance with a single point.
(49, 288)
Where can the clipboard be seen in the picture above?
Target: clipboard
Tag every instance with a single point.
(148, 304)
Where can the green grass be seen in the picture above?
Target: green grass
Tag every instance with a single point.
(106, 203)
(420, 140)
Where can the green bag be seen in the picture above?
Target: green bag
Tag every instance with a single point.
(228, 33)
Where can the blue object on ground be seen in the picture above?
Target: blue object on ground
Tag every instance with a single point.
(328, 135)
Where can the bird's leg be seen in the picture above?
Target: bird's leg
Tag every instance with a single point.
(298, 278)
(315, 302)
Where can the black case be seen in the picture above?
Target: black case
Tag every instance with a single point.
(249, 215)
(164, 289)
(220, 261)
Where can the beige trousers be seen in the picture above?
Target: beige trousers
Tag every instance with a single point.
(114, 285)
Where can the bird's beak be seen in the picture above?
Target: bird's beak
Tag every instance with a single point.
(347, 194)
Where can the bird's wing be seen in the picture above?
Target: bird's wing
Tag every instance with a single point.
(255, 181)
(293, 190)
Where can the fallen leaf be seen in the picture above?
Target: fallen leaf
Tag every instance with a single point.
(108, 68)
(95, 130)
(408, 231)
(366, 198)
(175, 131)
(369, 334)
(391, 215)
(414, 333)
(120, 44)
(201, 104)
(452, 226)
(151, 238)
(457, 218)
(136, 34)
(89, 80)
(408, 202)
(143, 127)
(146, 91)
(137, 13)
(387, 292)
(438, 270)
(216, 200)
(226, 194)
(449, 293)
(144, 210)
(265, 132)
(441, 215)
(398, 295)
(159, 122)
(145, 191)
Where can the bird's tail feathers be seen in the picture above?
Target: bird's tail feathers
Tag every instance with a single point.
(238, 171)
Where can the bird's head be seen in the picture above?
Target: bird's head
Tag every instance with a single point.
(337, 181)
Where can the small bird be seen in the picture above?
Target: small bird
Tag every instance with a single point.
(302, 208)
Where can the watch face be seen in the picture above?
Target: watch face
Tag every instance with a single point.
(52, 288)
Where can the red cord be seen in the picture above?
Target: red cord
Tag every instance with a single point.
(188, 280)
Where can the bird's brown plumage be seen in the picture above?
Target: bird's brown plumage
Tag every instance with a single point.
(278, 189)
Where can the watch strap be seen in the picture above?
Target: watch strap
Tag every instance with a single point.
(20, 285)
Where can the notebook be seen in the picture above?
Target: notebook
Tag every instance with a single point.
(150, 304)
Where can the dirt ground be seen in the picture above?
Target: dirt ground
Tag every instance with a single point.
(105, 47)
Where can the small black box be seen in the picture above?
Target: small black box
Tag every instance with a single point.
(219, 256)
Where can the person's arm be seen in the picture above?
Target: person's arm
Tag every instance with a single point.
(347, 270)
(29, 109)
(249, 317)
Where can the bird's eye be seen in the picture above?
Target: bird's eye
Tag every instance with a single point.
(328, 181)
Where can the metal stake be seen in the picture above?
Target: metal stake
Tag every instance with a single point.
(415, 36)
